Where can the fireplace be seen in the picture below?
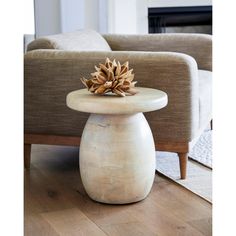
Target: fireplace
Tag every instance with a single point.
(191, 19)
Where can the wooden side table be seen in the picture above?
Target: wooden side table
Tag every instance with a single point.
(117, 151)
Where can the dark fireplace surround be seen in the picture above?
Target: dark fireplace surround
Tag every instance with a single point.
(161, 18)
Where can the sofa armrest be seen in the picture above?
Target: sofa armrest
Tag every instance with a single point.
(51, 74)
(199, 46)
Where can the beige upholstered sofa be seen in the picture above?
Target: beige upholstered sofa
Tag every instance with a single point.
(179, 64)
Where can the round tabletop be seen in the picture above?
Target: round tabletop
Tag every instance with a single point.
(147, 99)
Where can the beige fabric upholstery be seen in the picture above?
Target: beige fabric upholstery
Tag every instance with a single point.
(199, 46)
(51, 74)
(85, 40)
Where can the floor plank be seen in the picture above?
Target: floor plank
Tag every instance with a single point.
(203, 225)
(37, 226)
(72, 222)
(56, 202)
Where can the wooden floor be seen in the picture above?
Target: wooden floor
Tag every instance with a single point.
(56, 203)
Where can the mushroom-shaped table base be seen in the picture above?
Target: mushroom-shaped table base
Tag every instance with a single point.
(117, 151)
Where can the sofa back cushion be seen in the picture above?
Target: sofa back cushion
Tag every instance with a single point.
(81, 40)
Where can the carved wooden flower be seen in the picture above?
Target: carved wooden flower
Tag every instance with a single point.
(111, 77)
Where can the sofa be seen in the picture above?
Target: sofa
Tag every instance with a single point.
(179, 64)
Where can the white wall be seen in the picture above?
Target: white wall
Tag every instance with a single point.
(29, 17)
(142, 17)
(105, 16)
(29, 29)
(122, 16)
(60, 16)
(72, 15)
(47, 17)
(91, 14)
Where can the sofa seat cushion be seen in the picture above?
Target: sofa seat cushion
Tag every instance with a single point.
(205, 98)
(82, 40)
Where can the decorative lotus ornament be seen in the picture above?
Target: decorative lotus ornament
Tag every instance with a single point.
(111, 77)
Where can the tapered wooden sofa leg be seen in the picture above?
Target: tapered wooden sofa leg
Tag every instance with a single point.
(27, 155)
(183, 159)
(211, 124)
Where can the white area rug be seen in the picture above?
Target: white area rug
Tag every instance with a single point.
(199, 177)
(202, 150)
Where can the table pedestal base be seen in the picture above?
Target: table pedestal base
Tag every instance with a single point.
(117, 158)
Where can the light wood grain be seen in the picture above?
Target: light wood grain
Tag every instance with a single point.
(117, 151)
(183, 160)
(51, 139)
(75, 141)
(117, 158)
(204, 225)
(37, 226)
(54, 186)
(172, 147)
(27, 155)
(145, 100)
(76, 221)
